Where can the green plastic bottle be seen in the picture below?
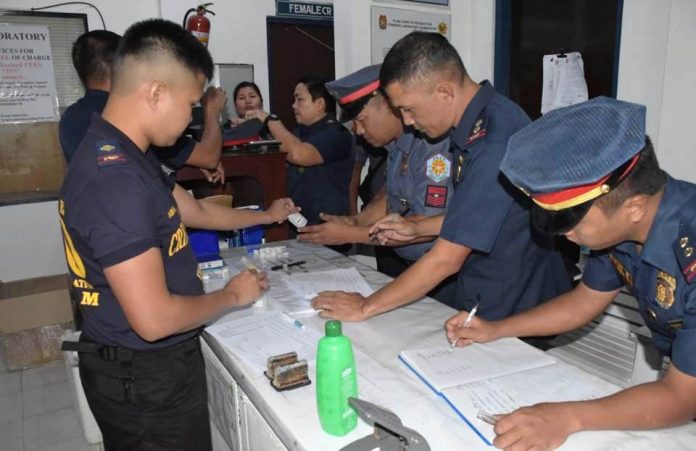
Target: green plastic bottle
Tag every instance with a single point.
(336, 381)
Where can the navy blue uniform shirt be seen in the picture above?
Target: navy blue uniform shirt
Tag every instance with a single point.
(323, 188)
(115, 204)
(511, 268)
(662, 276)
(77, 119)
(419, 182)
(377, 171)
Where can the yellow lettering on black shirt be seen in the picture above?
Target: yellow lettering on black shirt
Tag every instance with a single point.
(178, 241)
(90, 298)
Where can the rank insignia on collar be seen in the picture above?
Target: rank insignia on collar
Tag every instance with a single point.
(664, 289)
(438, 168)
(621, 270)
(478, 131)
(684, 251)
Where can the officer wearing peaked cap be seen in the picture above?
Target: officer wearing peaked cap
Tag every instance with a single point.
(419, 182)
(486, 238)
(593, 176)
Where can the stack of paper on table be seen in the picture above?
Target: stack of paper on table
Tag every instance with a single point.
(307, 285)
(499, 377)
(258, 337)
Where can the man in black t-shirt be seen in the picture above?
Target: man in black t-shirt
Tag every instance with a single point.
(132, 269)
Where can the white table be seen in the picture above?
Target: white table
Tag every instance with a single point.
(250, 414)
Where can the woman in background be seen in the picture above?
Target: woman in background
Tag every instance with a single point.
(247, 97)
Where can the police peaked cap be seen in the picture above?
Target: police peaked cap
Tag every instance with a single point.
(571, 156)
(354, 90)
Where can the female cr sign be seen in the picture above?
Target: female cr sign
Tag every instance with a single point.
(27, 79)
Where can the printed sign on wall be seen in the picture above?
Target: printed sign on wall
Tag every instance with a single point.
(391, 24)
(27, 79)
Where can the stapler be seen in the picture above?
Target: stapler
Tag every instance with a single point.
(390, 434)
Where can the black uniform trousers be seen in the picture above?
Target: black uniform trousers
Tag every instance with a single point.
(149, 400)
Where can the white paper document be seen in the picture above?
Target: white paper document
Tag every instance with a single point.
(307, 285)
(551, 383)
(444, 367)
(564, 81)
(258, 337)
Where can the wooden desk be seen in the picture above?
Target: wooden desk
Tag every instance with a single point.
(267, 168)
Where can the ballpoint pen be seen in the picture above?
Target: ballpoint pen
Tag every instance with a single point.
(287, 265)
(295, 322)
(489, 418)
(468, 320)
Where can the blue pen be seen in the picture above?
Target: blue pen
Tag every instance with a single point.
(295, 322)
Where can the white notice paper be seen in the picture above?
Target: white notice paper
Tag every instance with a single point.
(564, 81)
(307, 285)
(551, 383)
(27, 78)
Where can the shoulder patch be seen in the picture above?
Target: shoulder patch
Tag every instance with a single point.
(436, 196)
(684, 251)
(478, 131)
(438, 168)
(109, 153)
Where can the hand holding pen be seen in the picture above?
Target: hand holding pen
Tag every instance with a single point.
(467, 322)
(465, 328)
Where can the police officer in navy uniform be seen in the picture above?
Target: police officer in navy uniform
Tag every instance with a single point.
(131, 265)
(319, 152)
(486, 236)
(418, 175)
(92, 56)
(593, 176)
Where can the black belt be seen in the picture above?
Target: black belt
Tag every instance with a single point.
(114, 353)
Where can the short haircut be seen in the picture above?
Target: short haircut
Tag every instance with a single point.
(92, 55)
(417, 56)
(317, 90)
(645, 178)
(152, 39)
(247, 84)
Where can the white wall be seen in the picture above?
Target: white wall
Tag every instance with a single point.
(472, 24)
(118, 15)
(676, 147)
(238, 33)
(657, 68)
(30, 241)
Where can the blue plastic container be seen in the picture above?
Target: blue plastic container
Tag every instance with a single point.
(204, 243)
(253, 235)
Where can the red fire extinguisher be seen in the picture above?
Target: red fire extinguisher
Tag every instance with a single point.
(199, 25)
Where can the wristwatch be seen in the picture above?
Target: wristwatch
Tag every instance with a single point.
(269, 118)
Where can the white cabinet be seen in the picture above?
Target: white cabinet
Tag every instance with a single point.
(237, 420)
